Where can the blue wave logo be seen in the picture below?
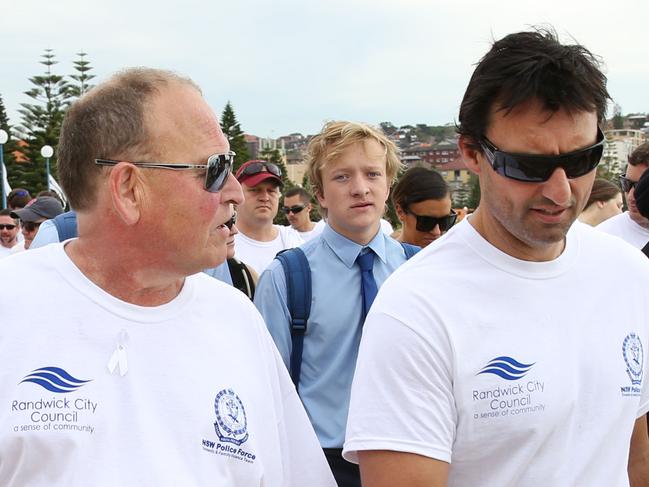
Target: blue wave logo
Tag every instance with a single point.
(54, 379)
(507, 368)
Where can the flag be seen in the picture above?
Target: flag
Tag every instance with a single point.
(5, 181)
(54, 186)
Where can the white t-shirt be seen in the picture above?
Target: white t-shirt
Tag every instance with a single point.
(258, 254)
(306, 236)
(622, 226)
(517, 373)
(5, 251)
(205, 399)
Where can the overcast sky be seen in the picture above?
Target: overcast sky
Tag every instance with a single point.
(288, 65)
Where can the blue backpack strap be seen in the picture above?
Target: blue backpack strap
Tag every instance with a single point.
(409, 249)
(298, 290)
(66, 225)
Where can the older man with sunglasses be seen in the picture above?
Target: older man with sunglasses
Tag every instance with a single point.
(136, 368)
(631, 226)
(500, 355)
(259, 240)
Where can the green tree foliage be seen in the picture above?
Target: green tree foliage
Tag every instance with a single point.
(81, 79)
(41, 121)
(474, 192)
(233, 132)
(618, 119)
(274, 156)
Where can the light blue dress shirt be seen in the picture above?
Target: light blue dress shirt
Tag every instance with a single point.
(47, 234)
(334, 327)
(220, 272)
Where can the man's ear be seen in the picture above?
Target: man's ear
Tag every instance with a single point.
(127, 192)
(470, 154)
(321, 199)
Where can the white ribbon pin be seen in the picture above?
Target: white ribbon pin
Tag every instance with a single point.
(118, 358)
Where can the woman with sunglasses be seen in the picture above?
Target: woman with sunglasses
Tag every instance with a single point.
(423, 203)
(605, 201)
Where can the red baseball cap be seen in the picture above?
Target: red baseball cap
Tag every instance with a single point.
(251, 173)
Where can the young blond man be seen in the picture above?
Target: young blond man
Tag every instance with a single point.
(351, 167)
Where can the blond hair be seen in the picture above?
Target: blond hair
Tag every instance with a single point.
(337, 136)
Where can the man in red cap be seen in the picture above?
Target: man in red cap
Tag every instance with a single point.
(258, 240)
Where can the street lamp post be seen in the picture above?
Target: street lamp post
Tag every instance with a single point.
(47, 152)
(3, 140)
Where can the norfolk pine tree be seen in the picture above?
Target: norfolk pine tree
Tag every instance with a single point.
(41, 121)
(233, 132)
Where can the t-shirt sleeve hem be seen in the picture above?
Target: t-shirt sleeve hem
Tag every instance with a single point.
(643, 409)
(351, 449)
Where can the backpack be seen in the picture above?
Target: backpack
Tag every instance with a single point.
(241, 277)
(298, 290)
(66, 225)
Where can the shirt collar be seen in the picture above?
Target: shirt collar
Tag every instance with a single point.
(347, 251)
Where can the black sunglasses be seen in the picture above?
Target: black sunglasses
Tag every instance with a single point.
(293, 209)
(538, 168)
(626, 184)
(31, 226)
(262, 166)
(217, 169)
(231, 222)
(427, 223)
(7, 226)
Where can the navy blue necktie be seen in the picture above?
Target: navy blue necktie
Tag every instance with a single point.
(368, 284)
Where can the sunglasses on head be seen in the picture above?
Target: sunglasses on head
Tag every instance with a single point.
(217, 169)
(626, 184)
(7, 226)
(428, 223)
(535, 168)
(257, 167)
(293, 209)
(30, 226)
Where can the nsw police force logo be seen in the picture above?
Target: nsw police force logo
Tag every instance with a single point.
(633, 357)
(231, 425)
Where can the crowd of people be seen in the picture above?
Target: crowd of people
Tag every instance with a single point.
(176, 335)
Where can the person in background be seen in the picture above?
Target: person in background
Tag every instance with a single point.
(31, 216)
(631, 226)
(233, 271)
(605, 201)
(259, 240)
(9, 229)
(351, 167)
(422, 200)
(297, 206)
(18, 198)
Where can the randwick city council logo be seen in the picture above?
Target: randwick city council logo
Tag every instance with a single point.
(507, 368)
(502, 400)
(633, 355)
(54, 379)
(231, 425)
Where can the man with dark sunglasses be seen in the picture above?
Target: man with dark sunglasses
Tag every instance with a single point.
(9, 228)
(259, 240)
(631, 226)
(297, 207)
(498, 355)
(130, 347)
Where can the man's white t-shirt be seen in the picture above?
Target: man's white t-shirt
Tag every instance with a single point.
(622, 226)
(97, 391)
(259, 255)
(306, 236)
(5, 251)
(516, 373)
